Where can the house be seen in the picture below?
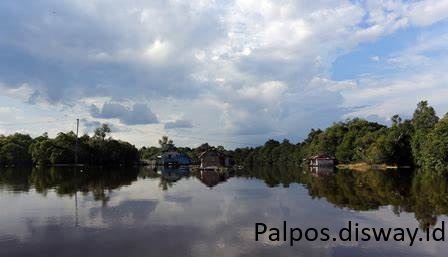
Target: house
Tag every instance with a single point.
(213, 159)
(210, 159)
(173, 158)
(319, 160)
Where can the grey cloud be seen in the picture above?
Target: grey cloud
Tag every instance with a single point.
(66, 60)
(139, 114)
(91, 125)
(178, 124)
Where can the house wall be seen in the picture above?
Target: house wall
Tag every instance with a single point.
(210, 161)
(324, 162)
(175, 157)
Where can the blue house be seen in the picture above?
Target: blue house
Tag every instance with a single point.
(173, 158)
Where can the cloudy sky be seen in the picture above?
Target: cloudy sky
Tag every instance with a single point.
(233, 73)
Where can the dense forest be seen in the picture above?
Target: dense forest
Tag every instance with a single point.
(420, 141)
(20, 149)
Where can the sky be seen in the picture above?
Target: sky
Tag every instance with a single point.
(232, 73)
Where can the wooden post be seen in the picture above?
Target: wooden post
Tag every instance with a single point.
(76, 146)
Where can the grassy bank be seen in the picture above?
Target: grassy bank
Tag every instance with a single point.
(362, 166)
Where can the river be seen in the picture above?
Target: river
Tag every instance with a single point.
(178, 212)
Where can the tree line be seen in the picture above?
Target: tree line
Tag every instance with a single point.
(99, 149)
(167, 144)
(420, 141)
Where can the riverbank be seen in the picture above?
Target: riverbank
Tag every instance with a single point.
(362, 166)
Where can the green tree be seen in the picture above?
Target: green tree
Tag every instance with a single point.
(14, 149)
(41, 150)
(166, 144)
(424, 116)
(102, 131)
(423, 120)
(434, 150)
(12, 153)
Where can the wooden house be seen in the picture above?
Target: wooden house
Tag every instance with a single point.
(210, 159)
(213, 159)
(320, 160)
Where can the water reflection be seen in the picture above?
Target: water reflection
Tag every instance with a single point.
(173, 211)
(322, 171)
(170, 175)
(212, 177)
(422, 192)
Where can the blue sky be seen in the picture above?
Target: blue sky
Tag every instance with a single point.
(229, 72)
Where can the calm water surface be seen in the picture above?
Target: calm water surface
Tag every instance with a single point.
(142, 212)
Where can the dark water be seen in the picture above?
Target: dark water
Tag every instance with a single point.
(141, 212)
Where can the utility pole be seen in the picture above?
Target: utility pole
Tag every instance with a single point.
(76, 146)
(75, 169)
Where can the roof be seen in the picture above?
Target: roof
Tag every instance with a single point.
(322, 157)
(209, 151)
(217, 153)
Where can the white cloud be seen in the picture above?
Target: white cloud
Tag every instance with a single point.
(425, 13)
(420, 74)
(400, 95)
(158, 50)
(233, 68)
(267, 91)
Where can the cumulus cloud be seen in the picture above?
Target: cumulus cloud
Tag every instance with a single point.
(235, 68)
(138, 114)
(178, 124)
(23, 92)
(420, 74)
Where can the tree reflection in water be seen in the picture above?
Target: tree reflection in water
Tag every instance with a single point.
(422, 192)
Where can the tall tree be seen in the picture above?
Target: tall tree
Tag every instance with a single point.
(434, 152)
(423, 120)
(166, 144)
(424, 116)
(102, 131)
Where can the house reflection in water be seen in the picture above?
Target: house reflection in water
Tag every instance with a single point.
(322, 171)
(173, 174)
(170, 175)
(212, 178)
